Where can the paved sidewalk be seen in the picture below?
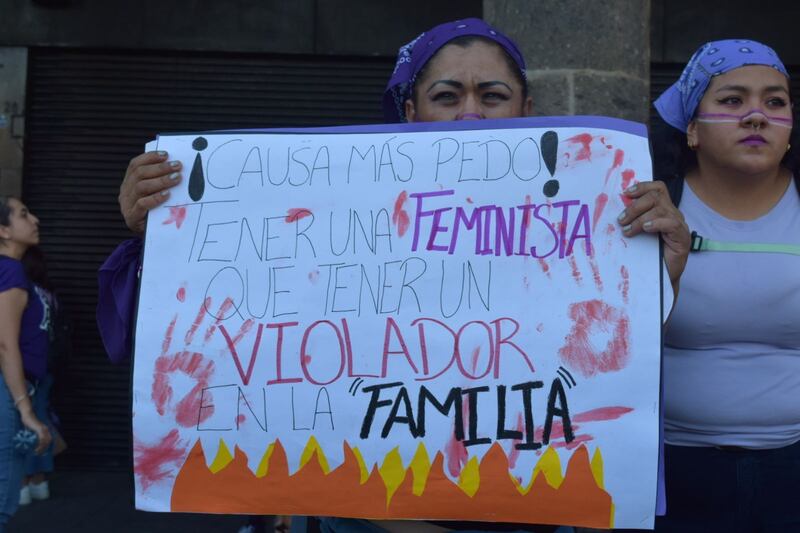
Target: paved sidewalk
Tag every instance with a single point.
(88, 502)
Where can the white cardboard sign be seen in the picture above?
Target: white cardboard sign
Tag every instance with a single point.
(402, 322)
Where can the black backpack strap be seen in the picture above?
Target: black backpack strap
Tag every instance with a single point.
(675, 187)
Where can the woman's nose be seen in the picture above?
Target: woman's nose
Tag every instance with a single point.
(471, 110)
(755, 119)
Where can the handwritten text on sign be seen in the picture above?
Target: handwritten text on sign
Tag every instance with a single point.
(403, 324)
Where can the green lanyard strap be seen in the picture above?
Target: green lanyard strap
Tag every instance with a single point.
(702, 244)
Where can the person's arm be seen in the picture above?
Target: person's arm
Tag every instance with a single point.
(12, 305)
(146, 185)
(116, 299)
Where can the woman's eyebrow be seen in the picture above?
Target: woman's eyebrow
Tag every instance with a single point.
(451, 83)
(488, 84)
(743, 89)
(776, 89)
(738, 88)
(458, 85)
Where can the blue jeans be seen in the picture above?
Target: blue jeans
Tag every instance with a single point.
(730, 490)
(11, 462)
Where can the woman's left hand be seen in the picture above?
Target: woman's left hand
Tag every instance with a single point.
(44, 438)
(652, 211)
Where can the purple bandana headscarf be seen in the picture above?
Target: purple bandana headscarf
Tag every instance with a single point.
(678, 103)
(414, 55)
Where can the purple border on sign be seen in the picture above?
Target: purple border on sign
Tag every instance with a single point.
(608, 123)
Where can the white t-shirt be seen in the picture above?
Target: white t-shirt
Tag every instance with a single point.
(732, 346)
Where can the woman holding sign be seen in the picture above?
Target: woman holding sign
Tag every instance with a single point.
(732, 354)
(462, 70)
(24, 317)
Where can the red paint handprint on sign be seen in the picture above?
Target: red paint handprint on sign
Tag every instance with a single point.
(189, 363)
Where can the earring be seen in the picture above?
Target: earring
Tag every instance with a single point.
(788, 147)
(691, 146)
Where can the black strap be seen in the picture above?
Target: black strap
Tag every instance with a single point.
(674, 186)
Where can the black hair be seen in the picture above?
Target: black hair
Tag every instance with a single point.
(5, 210)
(35, 266)
(468, 40)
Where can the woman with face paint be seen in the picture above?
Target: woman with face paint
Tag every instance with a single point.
(732, 354)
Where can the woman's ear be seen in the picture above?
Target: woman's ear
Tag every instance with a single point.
(691, 135)
(411, 111)
(527, 107)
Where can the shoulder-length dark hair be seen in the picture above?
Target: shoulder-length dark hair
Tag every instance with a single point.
(35, 266)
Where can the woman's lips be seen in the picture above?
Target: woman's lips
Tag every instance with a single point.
(754, 140)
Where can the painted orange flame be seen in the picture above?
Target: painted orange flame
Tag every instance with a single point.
(485, 491)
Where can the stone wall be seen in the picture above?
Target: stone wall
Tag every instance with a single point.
(584, 57)
(13, 72)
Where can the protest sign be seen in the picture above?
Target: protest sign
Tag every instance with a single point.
(414, 321)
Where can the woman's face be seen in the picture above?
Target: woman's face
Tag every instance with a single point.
(23, 226)
(743, 121)
(465, 83)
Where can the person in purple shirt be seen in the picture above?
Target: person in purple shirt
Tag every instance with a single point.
(732, 346)
(23, 348)
(460, 70)
(38, 466)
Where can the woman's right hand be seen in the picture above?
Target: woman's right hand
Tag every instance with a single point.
(30, 421)
(652, 211)
(146, 185)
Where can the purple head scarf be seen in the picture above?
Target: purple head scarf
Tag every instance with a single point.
(416, 54)
(678, 103)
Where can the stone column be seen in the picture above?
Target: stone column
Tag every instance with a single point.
(584, 57)
(13, 71)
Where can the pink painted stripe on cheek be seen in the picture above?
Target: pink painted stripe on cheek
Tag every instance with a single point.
(727, 117)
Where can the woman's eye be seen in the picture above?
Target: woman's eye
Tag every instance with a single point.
(444, 97)
(496, 97)
(730, 100)
(777, 102)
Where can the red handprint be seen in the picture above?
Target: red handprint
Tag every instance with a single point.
(190, 363)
